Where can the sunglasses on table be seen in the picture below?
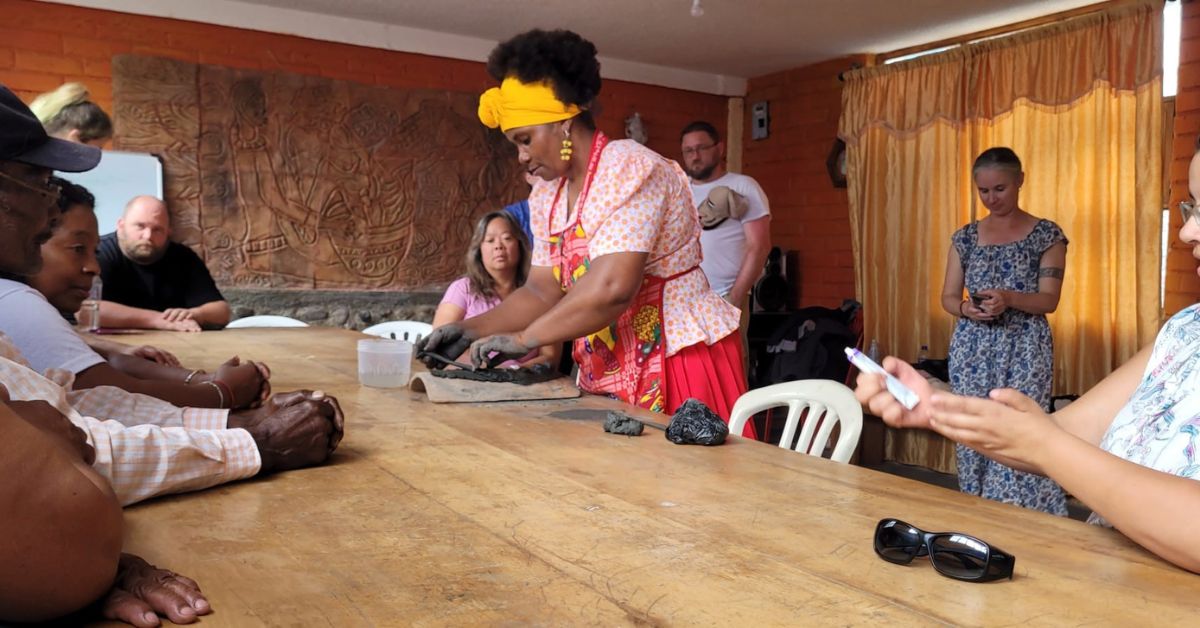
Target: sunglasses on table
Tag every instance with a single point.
(953, 555)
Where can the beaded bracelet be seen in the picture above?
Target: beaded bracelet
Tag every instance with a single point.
(220, 392)
(960, 308)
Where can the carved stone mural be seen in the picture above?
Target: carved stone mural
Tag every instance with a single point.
(284, 181)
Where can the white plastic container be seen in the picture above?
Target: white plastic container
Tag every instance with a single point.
(384, 363)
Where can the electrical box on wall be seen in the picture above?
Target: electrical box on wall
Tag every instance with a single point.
(760, 121)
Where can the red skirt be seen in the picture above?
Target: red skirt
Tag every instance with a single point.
(711, 373)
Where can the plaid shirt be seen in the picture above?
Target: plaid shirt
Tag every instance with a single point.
(144, 446)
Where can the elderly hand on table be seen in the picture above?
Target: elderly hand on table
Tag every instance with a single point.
(295, 429)
(142, 592)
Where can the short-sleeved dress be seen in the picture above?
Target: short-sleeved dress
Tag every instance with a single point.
(641, 202)
(1159, 427)
(1014, 351)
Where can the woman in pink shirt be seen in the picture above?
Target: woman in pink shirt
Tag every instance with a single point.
(497, 264)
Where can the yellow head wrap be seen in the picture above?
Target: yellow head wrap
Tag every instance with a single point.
(515, 104)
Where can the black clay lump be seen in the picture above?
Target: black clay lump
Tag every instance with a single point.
(621, 423)
(695, 424)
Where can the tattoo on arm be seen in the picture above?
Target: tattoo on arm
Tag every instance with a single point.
(1050, 272)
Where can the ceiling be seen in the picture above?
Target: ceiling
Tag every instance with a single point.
(740, 38)
(648, 41)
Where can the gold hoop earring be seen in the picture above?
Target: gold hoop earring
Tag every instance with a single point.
(567, 149)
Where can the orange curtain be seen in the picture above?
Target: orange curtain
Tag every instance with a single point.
(1081, 103)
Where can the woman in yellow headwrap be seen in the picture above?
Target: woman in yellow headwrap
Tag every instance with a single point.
(616, 245)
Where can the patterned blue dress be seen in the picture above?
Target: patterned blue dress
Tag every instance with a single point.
(1014, 351)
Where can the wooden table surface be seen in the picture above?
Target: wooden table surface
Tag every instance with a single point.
(500, 514)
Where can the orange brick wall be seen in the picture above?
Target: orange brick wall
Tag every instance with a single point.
(42, 45)
(809, 215)
(1183, 285)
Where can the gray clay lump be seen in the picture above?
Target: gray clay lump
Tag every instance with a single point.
(621, 423)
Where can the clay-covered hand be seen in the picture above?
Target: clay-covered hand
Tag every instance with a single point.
(449, 340)
(154, 354)
(142, 592)
(490, 351)
(872, 392)
(245, 380)
(48, 419)
(1008, 425)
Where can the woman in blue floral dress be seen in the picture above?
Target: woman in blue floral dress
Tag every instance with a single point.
(1011, 264)
(1129, 448)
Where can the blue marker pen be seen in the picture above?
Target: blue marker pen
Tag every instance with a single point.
(902, 393)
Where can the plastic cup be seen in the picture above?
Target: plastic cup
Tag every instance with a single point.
(384, 363)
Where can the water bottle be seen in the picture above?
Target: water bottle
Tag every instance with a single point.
(873, 350)
(89, 312)
(923, 355)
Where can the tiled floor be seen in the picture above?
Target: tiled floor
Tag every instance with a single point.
(1075, 508)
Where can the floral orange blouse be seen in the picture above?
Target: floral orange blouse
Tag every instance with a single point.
(641, 202)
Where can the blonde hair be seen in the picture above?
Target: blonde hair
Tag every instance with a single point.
(69, 108)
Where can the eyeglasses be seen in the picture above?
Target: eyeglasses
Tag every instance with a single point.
(1188, 210)
(695, 150)
(50, 191)
(953, 555)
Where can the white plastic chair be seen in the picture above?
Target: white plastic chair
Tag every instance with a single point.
(265, 320)
(415, 330)
(828, 403)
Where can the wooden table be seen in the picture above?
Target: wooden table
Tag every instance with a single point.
(501, 514)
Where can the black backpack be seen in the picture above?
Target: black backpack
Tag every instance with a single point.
(810, 345)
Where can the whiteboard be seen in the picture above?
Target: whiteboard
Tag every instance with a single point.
(119, 177)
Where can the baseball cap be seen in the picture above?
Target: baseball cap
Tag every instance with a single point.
(24, 139)
(722, 203)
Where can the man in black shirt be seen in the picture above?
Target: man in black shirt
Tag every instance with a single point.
(151, 282)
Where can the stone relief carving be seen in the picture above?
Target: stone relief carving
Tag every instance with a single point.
(288, 181)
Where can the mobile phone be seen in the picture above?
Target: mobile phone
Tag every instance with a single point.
(977, 300)
(902, 393)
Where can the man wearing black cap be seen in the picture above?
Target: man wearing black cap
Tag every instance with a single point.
(59, 548)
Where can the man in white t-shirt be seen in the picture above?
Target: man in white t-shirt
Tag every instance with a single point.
(737, 227)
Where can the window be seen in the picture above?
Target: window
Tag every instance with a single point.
(1172, 23)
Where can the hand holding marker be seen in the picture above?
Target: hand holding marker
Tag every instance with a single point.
(902, 393)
